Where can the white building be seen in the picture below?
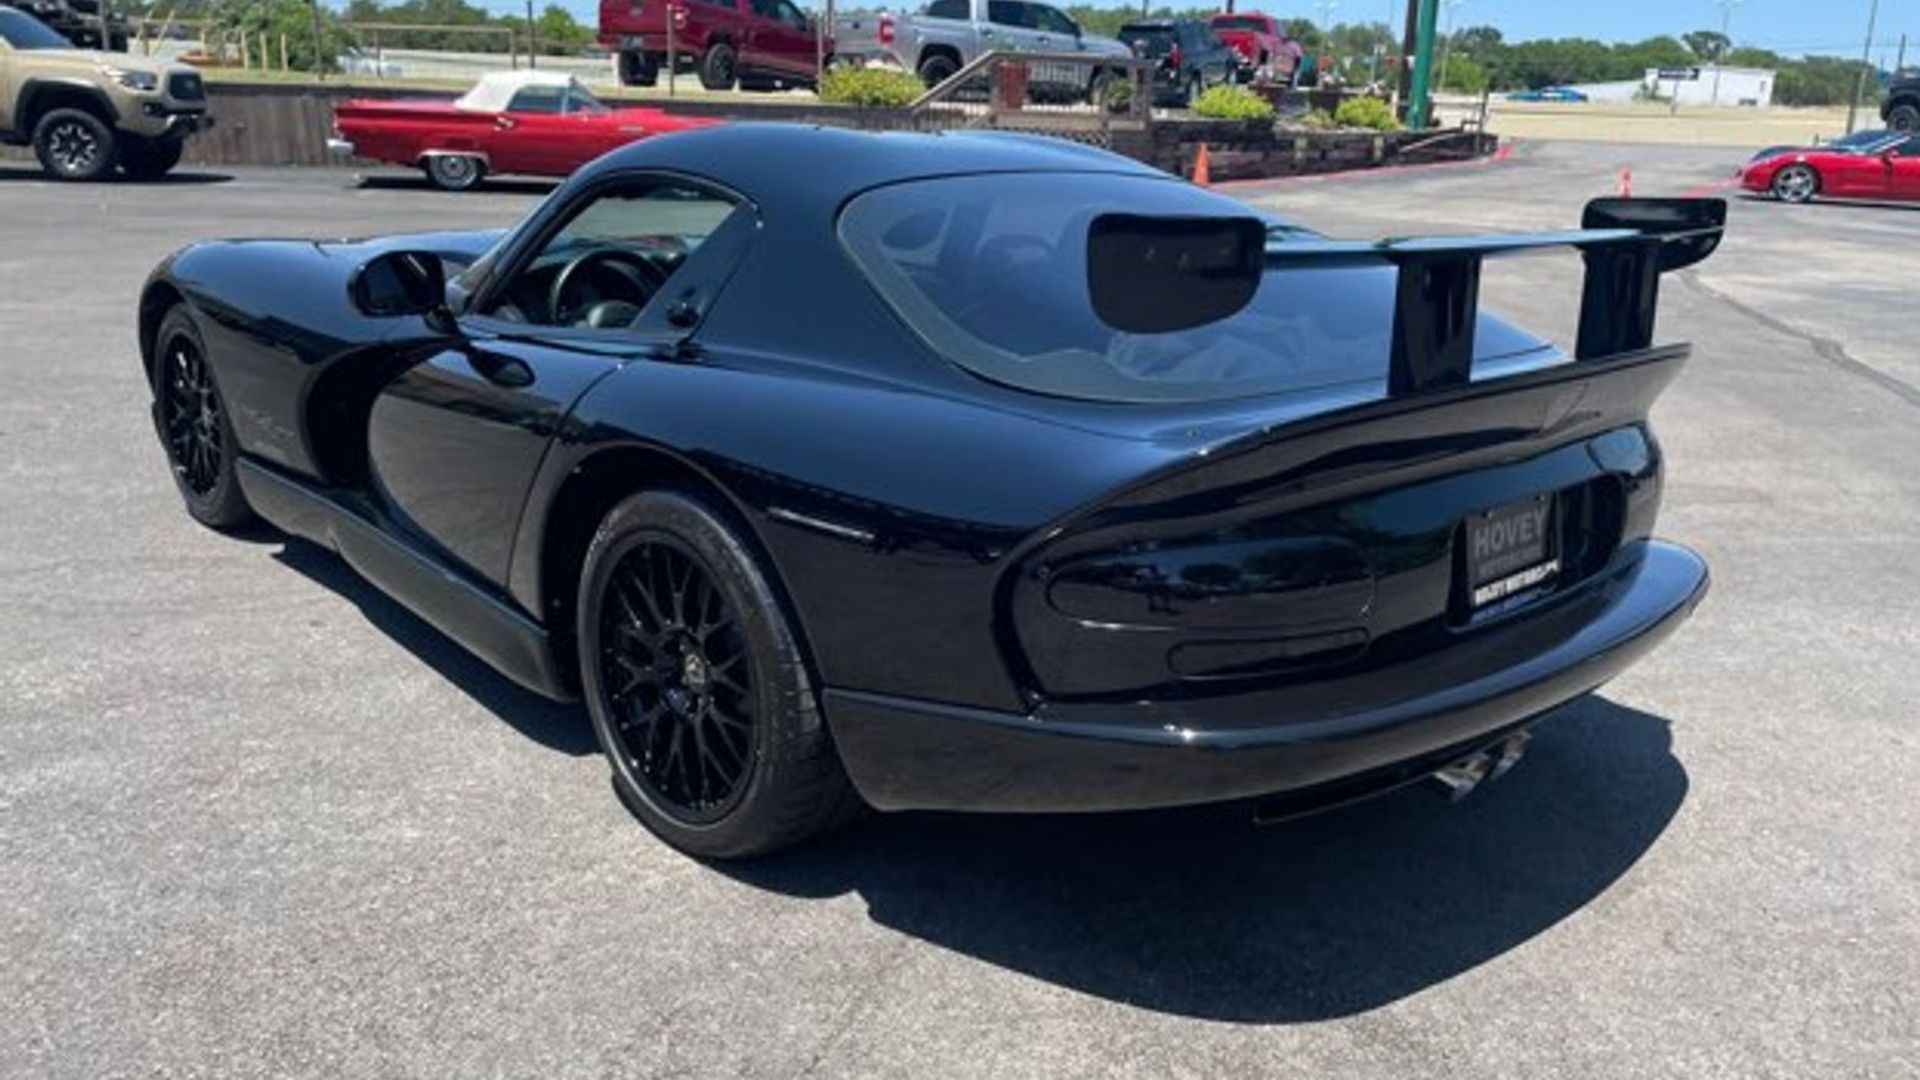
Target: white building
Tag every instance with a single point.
(1710, 85)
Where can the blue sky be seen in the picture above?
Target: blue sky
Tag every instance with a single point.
(1787, 26)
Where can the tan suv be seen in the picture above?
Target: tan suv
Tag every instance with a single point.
(87, 112)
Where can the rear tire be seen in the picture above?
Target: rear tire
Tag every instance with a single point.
(699, 692)
(454, 172)
(1904, 117)
(1796, 184)
(150, 159)
(719, 68)
(937, 69)
(75, 145)
(639, 69)
(193, 424)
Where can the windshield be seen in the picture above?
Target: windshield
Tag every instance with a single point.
(23, 31)
(1239, 22)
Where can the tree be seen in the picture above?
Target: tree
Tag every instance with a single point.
(292, 20)
(1465, 75)
(1708, 45)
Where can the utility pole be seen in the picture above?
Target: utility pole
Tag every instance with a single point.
(1726, 33)
(1407, 35)
(533, 40)
(320, 49)
(1866, 64)
(1900, 64)
(1446, 51)
(1422, 61)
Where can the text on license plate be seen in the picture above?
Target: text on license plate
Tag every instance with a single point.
(1510, 549)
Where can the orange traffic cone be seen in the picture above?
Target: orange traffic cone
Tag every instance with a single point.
(1202, 174)
(1626, 182)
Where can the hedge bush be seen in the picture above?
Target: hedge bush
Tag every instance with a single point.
(1366, 112)
(871, 88)
(1233, 103)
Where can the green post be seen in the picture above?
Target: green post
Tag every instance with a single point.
(1417, 117)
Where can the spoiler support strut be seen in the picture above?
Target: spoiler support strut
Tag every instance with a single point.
(1627, 245)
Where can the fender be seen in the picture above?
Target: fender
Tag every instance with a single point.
(45, 88)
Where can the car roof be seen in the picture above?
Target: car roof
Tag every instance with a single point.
(496, 88)
(801, 165)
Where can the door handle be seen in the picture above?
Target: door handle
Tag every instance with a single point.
(503, 122)
(507, 371)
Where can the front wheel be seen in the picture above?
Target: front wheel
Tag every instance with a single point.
(455, 172)
(193, 423)
(74, 144)
(699, 694)
(1796, 184)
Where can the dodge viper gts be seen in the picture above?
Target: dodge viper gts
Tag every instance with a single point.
(1864, 165)
(966, 471)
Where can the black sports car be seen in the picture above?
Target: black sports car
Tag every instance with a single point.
(969, 471)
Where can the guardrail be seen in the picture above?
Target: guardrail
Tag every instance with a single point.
(1067, 93)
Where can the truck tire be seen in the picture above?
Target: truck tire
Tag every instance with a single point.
(719, 68)
(639, 69)
(75, 145)
(150, 159)
(1904, 117)
(936, 69)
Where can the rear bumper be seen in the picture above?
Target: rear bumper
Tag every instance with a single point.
(905, 754)
(339, 147)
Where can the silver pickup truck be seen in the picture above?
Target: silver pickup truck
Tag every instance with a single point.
(948, 34)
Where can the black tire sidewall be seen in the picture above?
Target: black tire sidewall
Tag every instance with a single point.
(719, 55)
(103, 132)
(786, 717)
(937, 69)
(1910, 114)
(225, 506)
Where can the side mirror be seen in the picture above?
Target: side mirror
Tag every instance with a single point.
(403, 283)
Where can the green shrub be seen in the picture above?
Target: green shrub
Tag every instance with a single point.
(1117, 95)
(1318, 120)
(871, 88)
(1366, 112)
(1233, 103)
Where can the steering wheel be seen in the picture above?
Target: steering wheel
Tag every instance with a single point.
(646, 275)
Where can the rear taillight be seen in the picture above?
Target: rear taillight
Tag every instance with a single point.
(679, 16)
(885, 32)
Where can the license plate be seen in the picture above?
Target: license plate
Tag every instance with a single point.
(1510, 549)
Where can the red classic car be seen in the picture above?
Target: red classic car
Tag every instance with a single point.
(1266, 52)
(1864, 165)
(533, 122)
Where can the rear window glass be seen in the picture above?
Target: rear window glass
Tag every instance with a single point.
(992, 272)
(1240, 22)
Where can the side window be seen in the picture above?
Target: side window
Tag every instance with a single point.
(1006, 13)
(539, 99)
(948, 9)
(789, 14)
(766, 9)
(1051, 20)
(605, 266)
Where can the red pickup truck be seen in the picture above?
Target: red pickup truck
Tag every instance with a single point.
(534, 122)
(1266, 52)
(757, 44)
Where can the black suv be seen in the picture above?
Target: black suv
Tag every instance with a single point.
(1902, 108)
(78, 21)
(1192, 57)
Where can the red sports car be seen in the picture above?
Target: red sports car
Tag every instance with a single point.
(534, 122)
(1864, 165)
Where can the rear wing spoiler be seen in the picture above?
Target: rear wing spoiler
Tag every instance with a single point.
(1627, 244)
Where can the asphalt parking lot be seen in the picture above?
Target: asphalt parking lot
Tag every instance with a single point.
(256, 820)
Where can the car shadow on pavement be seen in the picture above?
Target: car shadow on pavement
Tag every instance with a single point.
(29, 170)
(553, 725)
(1202, 914)
(490, 186)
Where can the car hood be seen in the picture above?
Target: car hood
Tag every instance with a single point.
(92, 60)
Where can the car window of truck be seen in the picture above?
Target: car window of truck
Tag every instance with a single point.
(947, 9)
(1052, 20)
(1005, 13)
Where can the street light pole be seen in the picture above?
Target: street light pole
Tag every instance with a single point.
(1726, 34)
(533, 40)
(1866, 63)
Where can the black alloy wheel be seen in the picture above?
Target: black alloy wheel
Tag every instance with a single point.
(718, 68)
(73, 144)
(194, 426)
(698, 688)
(678, 680)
